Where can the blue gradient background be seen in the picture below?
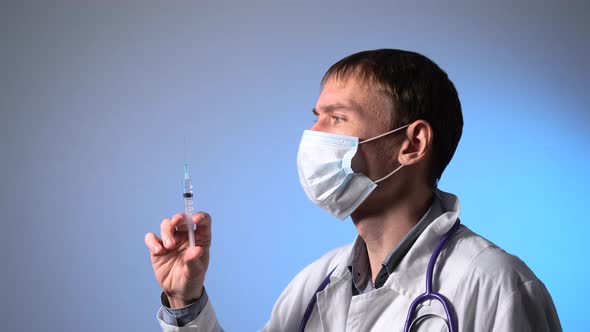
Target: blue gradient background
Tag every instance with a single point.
(96, 100)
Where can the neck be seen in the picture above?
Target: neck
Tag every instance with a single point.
(383, 229)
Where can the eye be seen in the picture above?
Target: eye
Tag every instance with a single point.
(338, 119)
(315, 118)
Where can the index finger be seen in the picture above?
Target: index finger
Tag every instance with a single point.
(178, 223)
(202, 220)
(177, 220)
(203, 232)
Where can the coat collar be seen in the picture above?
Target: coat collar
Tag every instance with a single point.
(409, 277)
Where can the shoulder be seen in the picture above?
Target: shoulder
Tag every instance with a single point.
(503, 287)
(483, 260)
(500, 285)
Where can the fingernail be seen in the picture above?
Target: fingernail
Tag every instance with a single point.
(156, 249)
(168, 243)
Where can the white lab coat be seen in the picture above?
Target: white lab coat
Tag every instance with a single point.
(489, 289)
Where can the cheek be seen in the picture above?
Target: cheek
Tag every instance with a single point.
(386, 153)
(373, 160)
(358, 162)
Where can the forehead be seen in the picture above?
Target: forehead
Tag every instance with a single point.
(356, 93)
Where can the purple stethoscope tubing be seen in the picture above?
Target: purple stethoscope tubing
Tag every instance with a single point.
(430, 294)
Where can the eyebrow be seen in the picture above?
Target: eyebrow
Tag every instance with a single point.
(338, 106)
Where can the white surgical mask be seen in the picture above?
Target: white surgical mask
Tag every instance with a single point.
(326, 175)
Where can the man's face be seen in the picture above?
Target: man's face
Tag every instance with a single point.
(350, 107)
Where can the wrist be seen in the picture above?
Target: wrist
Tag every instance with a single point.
(175, 302)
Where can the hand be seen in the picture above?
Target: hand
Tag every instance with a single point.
(181, 270)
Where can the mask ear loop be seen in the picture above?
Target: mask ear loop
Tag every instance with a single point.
(379, 136)
(384, 134)
(388, 175)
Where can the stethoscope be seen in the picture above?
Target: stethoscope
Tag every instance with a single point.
(429, 294)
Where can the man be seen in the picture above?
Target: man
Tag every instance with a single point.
(388, 123)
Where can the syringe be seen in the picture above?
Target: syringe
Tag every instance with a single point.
(188, 206)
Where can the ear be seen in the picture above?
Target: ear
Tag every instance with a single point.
(417, 143)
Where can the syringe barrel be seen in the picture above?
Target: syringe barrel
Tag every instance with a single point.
(188, 215)
(187, 186)
(188, 205)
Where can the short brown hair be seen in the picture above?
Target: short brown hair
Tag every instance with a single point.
(418, 88)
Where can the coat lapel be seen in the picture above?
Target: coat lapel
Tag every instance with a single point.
(333, 303)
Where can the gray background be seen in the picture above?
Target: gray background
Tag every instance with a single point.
(96, 99)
